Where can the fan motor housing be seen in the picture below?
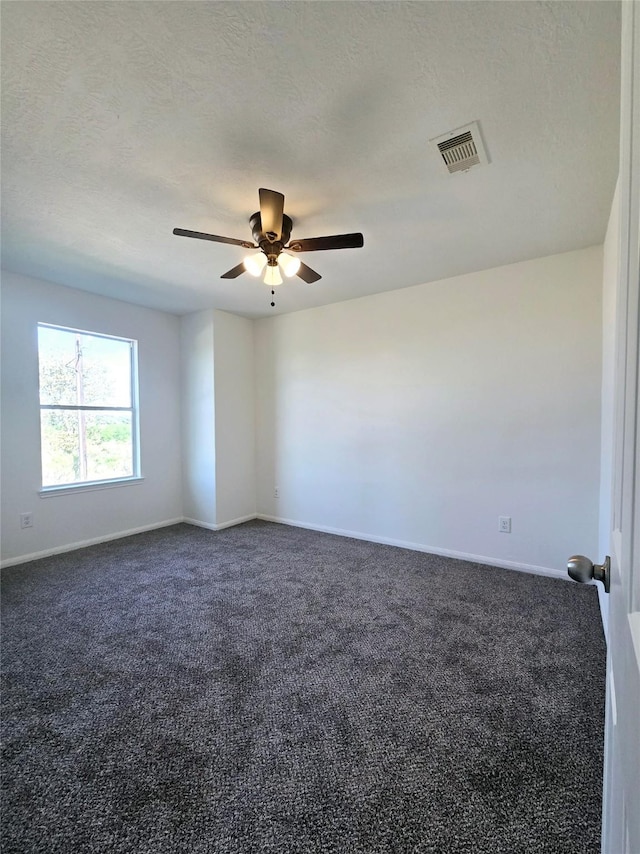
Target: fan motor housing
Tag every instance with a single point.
(260, 237)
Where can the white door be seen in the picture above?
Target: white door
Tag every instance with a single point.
(621, 808)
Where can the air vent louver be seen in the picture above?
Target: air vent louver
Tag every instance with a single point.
(461, 148)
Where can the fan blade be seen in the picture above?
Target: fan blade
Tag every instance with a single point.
(271, 210)
(234, 272)
(183, 232)
(336, 241)
(307, 274)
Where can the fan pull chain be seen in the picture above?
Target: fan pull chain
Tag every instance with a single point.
(273, 293)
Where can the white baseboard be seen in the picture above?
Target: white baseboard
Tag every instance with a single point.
(550, 572)
(81, 544)
(356, 535)
(198, 523)
(94, 541)
(210, 526)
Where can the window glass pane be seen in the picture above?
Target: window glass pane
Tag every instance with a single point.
(106, 371)
(84, 446)
(60, 447)
(77, 369)
(109, 446)
(56, 356)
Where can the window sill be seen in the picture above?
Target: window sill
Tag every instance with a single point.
(90, 486)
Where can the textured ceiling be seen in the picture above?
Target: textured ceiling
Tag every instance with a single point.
(123, 120)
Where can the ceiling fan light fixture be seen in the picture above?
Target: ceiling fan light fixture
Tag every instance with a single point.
(255, 264)
(272, 276)
(288, 264)
(271, 230)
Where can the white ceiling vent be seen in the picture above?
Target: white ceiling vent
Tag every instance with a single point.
(462, 148)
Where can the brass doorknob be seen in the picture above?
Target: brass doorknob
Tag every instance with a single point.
(581, 569)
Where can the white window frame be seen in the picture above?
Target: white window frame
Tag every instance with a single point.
(134, 409)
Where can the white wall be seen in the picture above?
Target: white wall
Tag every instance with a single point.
(63, 520)
(234, 418)
(421, 415)
(416, 416)
(218, 418)
(198, 418)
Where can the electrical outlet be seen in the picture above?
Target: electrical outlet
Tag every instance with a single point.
(26, 520)
(276, 492)
(504, 524)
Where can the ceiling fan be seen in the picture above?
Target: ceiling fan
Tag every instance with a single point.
(271, 229)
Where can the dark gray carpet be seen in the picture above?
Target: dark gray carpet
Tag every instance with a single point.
(271, 689)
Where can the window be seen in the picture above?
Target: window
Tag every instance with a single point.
(88, 407)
